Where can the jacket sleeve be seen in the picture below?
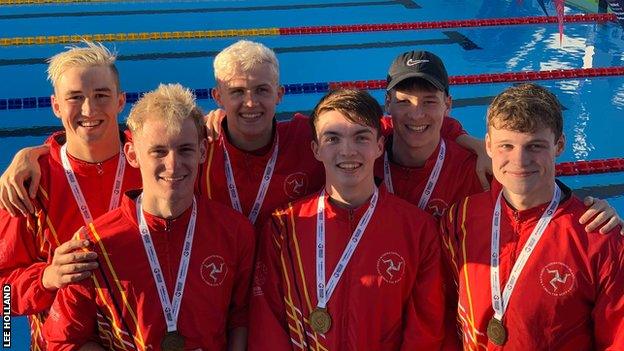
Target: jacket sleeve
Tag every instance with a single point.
(608, 313)
(239, 305)
(71, 322)
(451, 128)
(22, 264)
(268, 325)
(424, 327)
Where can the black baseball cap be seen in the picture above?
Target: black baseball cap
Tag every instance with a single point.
(418, 64)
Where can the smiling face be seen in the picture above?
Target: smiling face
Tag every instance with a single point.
(417, 115)
(249, 99)
(168, 159)
(87, 101)
(524, 163)
(348, 151)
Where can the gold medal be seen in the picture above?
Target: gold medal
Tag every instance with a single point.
(496, 332)
(172, 342)
(320, 320)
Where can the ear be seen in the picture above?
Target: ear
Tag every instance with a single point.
(488, 144)
(448, 102)
(315, 149)
(202, 150)
(280, 93)
(381, 141)
(55, 106)
(122, 102)
(131, 153)
(216, 95)
(560, 145)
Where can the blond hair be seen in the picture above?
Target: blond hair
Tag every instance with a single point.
(244, 55)
(526, 108)
(170, 103)
(92, 54)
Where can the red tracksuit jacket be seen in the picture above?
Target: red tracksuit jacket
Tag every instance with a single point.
(570, 295)
(457, 179)
(373, 307)
(297, 173)
(27, 244)
(120, 307)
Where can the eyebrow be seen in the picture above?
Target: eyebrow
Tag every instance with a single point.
(359, 132)
(104, 89)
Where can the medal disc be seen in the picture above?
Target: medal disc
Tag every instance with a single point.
(496, 332)
(320, 320)
(172, 342)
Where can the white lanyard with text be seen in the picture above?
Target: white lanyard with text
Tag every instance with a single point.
(433, 177)
(324, 292)
(75, 187)
(500, 304)
(171, 308)
(264, 185)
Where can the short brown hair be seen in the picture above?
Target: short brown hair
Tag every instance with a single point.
(526, 108)
(358, 106)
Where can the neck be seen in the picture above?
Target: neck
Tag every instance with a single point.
(350, 197)
(523, 202)
(93, 152)
(165, 208)
(409, 156)
(250, 143)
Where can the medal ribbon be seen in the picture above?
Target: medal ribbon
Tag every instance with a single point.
(75, 187)
(171, 308)
(324, 292)
(433, 177)
(264, 185)
(500, 305)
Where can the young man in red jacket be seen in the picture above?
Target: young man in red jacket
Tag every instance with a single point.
(174, 269)
(82, 178)
(351, 267)
(530, 276)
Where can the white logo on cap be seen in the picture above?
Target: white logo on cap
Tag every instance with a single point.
(411, 62)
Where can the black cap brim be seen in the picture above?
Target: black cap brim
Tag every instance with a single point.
(429, 78)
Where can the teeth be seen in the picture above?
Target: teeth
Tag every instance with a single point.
(251, 115)
(416, 128)
(348, 165)
(172, 179)
(88, 124)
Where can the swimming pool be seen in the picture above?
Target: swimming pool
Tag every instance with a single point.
(309, 62)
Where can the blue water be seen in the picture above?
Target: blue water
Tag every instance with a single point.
(594, 106)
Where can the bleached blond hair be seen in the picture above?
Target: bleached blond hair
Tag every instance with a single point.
(91, 54)
(170, 103)
(244, 55)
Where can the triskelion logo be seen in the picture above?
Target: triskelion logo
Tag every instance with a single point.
(214, 270)
(296, 185)
(391, 267)
(557, 278)
(437, 207)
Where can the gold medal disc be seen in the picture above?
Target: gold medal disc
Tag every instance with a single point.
(172, 342)
(320, 320)
(496, 332)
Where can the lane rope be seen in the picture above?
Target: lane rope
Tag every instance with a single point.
(274, 31)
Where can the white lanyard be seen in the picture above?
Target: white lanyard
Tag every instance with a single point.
(324, 292)
(264, 185)
(171, 308)
(500, 305)
(75, 187)
(433, 177)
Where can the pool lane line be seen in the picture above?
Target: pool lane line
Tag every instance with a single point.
(275, 31)
(407, 4)
(323, 87)
(452, 38)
